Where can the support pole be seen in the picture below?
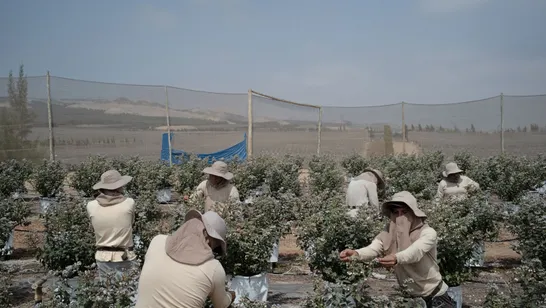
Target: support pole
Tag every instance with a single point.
(403, 129)
(167, 114)
(319, 130)
(502, 123)
(50, 120)
(249, 140)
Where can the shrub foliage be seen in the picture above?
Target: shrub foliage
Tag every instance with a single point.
(276, 203)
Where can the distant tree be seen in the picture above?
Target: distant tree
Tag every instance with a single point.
(472, 128)
(456, 129)
(519, 129)
(419, 127)
(525, 129)
(17, 121)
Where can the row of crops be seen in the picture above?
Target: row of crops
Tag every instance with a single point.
(310, 207)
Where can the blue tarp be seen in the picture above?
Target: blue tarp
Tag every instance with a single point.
(236, 151)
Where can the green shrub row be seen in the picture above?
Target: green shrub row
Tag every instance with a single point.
(507, 177)
(315, 210)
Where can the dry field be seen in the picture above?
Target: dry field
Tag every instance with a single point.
(147, 143)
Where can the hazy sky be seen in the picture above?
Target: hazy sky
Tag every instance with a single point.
(318, 52)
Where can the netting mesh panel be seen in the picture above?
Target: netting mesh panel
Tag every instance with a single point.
(472, 126)
(282, 128)
(358, 129)
(206, 122)
(524, 125)
(120, 119)
(35, 144)
(109, 119)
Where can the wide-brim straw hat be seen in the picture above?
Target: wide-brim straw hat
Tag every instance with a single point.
(406, 198)
(379, 175)
(214, 224)
(451, 168)
(112, 180)
(220, 169)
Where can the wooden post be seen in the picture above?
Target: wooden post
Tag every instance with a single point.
(50, 120)
(502, 123)
(249, 140)
(167, 114)
(319, 130)
(387, 138)
(403, 129)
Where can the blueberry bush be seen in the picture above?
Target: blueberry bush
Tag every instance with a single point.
(314, 208)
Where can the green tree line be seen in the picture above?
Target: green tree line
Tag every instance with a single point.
(16, 121)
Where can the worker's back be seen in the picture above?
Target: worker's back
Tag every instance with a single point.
(170, 284)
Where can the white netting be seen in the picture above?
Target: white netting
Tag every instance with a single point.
(109, 119)
(120, 119)
(524, 125)
(472, 126)
(284, 128)
(37, 144)
(352, 129)
(206, 122)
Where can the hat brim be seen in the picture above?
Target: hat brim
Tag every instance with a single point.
(210, 230)
(113, 186)
(446, 174)
(381, 181)
(228, 175)
(387, 205)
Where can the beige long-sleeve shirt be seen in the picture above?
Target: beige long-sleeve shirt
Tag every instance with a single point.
(113, 226)
(417, 262)
(361, 193)
(165, 283)
(458, 191)
(213, 194)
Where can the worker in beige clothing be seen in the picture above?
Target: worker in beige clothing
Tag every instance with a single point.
(363, 190)
(112, 217)
(217, 189)
(409, 245)
(180, 270)
(454, 185)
